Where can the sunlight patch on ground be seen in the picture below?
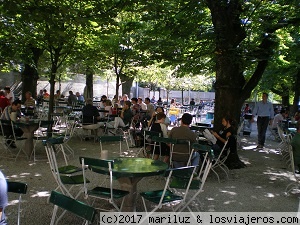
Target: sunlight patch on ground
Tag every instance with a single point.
(13, 202)
(210, 199)
(229, 192)
(228, 202)
(83, 149)
(250, 147)
(41, 194)
(270, 195)
(279, 175)
(37, 175)
(259, 187)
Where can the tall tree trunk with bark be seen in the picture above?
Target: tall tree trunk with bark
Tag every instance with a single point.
(297, 92)
(126, 84)
(29, 75)
(88, 93)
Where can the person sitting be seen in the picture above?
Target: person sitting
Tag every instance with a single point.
(150, 108)
(30, 102)
(79, 97)
(45, 95)
(136, 111)
(295, 142)
(3, 198)
(90, 116)
(160, 127)
(297, 115)
(9, 95)
(192, 102)
(3, 101)
(7, 114)
(124, 119)
(223, 134)
(180, 154)
(278, 118)
(153, 118)
(72, 99)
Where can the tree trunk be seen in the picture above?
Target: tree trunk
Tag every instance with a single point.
(89, 84)
(117, 85)
(126, 84)
(29, 77)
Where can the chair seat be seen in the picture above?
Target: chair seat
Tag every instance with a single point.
(155, 196)
(78, 179)
(103, 191)
(182, 183)
(69, 169)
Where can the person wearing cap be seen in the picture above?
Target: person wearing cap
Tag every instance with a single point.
(180, 154)
(9, 95)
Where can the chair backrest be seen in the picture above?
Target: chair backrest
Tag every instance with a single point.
(240, 128)
(16, 187)
(185, 149)
(78, 208)
(100, 166)
(117, 138)
(222, 153)
(179, 178)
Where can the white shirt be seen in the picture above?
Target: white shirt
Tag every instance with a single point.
(10, 95)
(277, 119)
(143, 105)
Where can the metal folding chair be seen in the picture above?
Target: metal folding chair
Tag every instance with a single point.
(67, 203)
(219, 162)
(113, 139)
(66, 175)
(109, 193)
(18, 188)
(198, 182)
(163, 197)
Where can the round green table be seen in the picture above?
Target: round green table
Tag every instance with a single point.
(129, 171)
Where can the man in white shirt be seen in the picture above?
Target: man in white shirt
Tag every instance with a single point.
(142, 104)
(278, 118)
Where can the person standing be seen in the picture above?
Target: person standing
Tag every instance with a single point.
(265, 114)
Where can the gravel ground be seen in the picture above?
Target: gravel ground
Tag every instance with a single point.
(257, 188)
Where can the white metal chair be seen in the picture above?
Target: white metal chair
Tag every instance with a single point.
(163, 197)
(197, 185)
(66, 175)
(114, 139)
(18, 188)
(219, 162)
(109, 193)
(296, 183)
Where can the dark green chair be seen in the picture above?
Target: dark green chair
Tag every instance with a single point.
(166, 196)
(149, 144)
(111, 139)
(158, 140)
(66, 176)
(67, 203)
(100, 192)
(18, 188)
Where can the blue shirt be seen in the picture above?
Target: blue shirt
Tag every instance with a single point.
(3, 197)
(264, 109)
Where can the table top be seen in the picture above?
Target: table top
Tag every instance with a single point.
(137, 167)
